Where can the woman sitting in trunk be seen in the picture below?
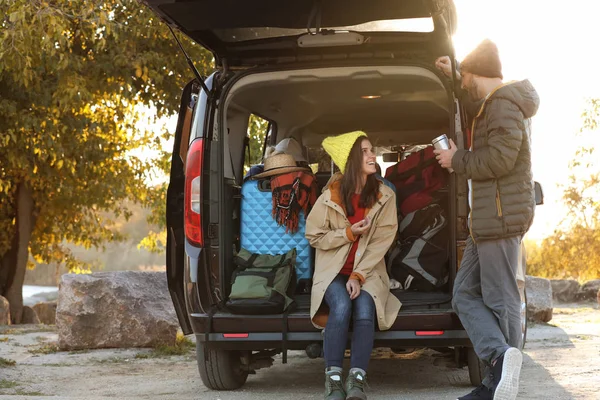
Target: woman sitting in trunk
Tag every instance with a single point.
(351, 226)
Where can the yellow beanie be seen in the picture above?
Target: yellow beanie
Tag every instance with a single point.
(338, 147)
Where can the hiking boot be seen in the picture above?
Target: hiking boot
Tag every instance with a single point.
(506, 371)
(334, 387)
(355, 385)
(481, 392)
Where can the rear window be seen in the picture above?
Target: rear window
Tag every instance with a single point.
(393, 25)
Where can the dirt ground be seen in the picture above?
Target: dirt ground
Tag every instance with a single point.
(562, 361)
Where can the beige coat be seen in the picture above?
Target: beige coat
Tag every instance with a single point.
(328, 231)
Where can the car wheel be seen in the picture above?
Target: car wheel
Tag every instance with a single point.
(220, 369)
(476, 367)
(523, 318)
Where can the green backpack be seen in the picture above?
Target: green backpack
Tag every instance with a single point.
(261, 283)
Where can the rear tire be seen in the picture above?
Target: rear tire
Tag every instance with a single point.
(220, 369)
(476, 367)
(523, 319)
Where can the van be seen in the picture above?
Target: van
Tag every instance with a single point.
(308, 70)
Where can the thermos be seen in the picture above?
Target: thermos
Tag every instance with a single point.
(442, 143)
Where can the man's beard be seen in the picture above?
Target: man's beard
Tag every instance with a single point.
(473, 91)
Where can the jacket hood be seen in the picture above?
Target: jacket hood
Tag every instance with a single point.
(523, 94)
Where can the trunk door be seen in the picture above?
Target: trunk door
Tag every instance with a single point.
(260, 32)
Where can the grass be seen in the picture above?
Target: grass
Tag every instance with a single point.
(63, 364)
(110, 360)
(20, 392)
(6, 384)
(182, 347)
(4, 362)
(26, 330)
(48, 348)
(571, 311)
(83, 351)
(4, 339)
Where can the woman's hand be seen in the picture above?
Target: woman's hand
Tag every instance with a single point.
(361, 227)
(353, 288)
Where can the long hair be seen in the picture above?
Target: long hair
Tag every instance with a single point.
(352, 178)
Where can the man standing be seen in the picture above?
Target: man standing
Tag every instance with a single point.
(502, 201)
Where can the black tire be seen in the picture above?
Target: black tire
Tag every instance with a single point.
(523, 318)
(523, 294)
(220, 369)
(476, 367)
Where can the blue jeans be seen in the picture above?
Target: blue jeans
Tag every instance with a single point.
(341, 308)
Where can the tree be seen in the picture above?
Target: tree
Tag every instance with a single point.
(77, 79)
(573, 249)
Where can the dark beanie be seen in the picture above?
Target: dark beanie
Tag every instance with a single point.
(483, 61)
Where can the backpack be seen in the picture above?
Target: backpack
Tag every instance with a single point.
(419, 261)
(416, 178)
(262, 283)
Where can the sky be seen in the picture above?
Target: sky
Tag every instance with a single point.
(551, 43)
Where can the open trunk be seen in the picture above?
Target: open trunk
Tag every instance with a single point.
(399, 107)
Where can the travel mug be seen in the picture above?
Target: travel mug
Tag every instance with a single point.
(442, 143)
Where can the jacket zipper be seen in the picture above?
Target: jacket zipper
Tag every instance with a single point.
(498, 203)
(471, 188)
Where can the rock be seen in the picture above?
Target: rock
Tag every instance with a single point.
(4, 311)
(46, 312)
(589, 290)
(115, 309)
(29, 316)
(565, 290)
(539, 299)
(41, 297)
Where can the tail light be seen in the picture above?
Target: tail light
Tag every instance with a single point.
(193, 193)
(429, 333)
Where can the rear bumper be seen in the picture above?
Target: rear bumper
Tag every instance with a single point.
(259, 332)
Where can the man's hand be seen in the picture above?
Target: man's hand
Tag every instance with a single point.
(353, 288)
(361, 227)
(443, 64)
(444, 157)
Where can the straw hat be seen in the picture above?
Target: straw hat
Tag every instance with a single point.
(278, 164)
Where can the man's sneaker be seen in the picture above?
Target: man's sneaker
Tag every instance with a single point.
(334, 387)
(481, 392)
(506, 373)
(355, 386)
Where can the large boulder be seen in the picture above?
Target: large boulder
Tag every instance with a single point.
(4, 311)
(589, 290)
(539, 299)
(115, 309)
(41, 297)
(565, 290)
(29, 316)
(46, 312)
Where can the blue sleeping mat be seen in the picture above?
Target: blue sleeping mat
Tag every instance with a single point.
(261, 234)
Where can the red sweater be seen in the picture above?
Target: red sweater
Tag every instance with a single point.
(359, 215)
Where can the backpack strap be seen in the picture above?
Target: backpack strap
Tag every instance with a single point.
(284, 336)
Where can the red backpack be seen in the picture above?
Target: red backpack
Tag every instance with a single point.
(416, 178)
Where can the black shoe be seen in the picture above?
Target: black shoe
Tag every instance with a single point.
(505, 375)
(481, 392)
